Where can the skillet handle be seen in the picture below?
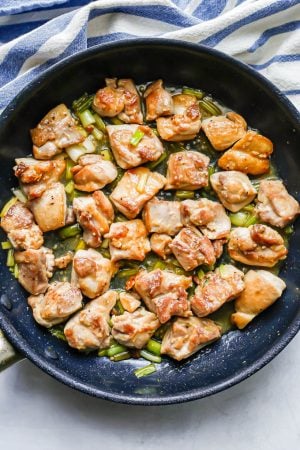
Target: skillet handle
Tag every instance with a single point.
(8, 355)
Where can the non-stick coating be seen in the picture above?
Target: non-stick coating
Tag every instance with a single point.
(239, 353)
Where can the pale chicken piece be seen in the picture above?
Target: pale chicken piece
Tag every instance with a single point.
(63, 261)
(160, 244)
(257, 245)
(275, 205)
(164, 293)
(89, 329)
(130, 301)
(233, 188)
(134, 329)
(132, 112)
(159, 101)
(161, 216)
(185, 124)
(262, 289)
(94, 213)
(55, 306)
(136, 187)
(21, 229)
(188, 335)
(224, 131)
(127, 155)
(91, 272)
(92, 173)
(216, 288)
(187, 170)
(128, 240)
(56, 131)
(210, 216)
(36, 176)
(191, 248)
(50, 210)
(35, 269)
(218, 247)
(249, 155)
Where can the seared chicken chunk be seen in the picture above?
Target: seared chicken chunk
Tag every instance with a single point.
(56, 131)
(61, 262)
(160, 244)
(164, 293)
(93, 173)
(257, 245)
(185, 124)
(216, 288)
(275, 205)
(35, 268)
(91, 272)
(162, 216)
(60, 302)
(136, 187)
(50, 210)
(233, 188)
(262, 289)
(89, 329)
(208, 215)
(134, 329)
(192, 249)
(159, 101)
(21, 229)
(128, 240)
(223, 131)
(36, 176)
(249, 155)
(129, 155)
(187, 170)
(94, 214)
(130, 301)
(188, 335)
(132, 112)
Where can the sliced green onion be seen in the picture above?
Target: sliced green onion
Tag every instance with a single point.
(210, 107)
(105, 252)
(82, 103)
(211, 170)
(16, 271)
(99, 123)
(20, 195)
(105, 243)
(136, 137)
(287, 230)
(120, 218)
(200, 274)
(185, 194)
(159, 265)
(69, 187)
(222, 270)
(77, 150)
(69, 165)
(153, 347)
(102, 352)
(154, 164)
(249, 208)
(120, 356)
(58, 333)
(150, 357)
(81, 245)
(97, 134)
(145, 371)
(115, 349)
(106, 155)
(242, 219)
(127, 273)
(6, 245)
(116, 121)
(120, 307)
(7, 206)
(69, 231)
(10, 260)
(142, 183)
(197, 93)
(252, 219)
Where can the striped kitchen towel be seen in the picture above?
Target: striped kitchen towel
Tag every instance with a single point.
(34, 34)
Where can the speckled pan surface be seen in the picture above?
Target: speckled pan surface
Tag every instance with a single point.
(239, 353)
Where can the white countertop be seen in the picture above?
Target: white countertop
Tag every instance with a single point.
(262, 413)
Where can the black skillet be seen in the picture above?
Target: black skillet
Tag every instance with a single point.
(239, 353)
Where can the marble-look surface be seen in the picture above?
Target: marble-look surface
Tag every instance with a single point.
(262, 413)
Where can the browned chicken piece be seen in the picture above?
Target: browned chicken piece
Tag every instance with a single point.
(127, 155)
(50, 210)
(218, 247)
(162, 216)
(233, 188)
(208, 215)
(55, 306)
(128, 240)
(21, 229)
(164, 293)
(159, 101)
(136, 187)
(275, 205)
(56, 131)
(257, 245)
(94, 213)
(191, 248)
(91, 272)
(119, 98)
(89, 329)
(185, 124)
(187, 170)
(188, 335)
(93, 173)
(160, 244)
(130, 301)
(35, 268)
(63, 261)
(36, 176)
(223, 131)
(249, 155)
(262, 289)
(134, 329)
(216, 288)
